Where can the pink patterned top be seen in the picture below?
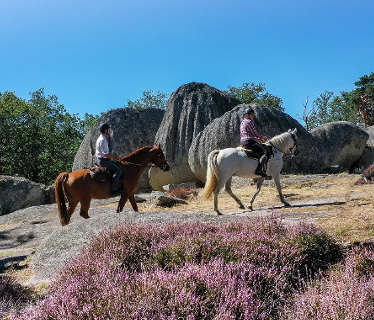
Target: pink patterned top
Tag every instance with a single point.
(248, 131)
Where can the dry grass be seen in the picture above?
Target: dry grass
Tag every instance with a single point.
(334, 202)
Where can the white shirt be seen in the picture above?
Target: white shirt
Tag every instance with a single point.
(102, 147)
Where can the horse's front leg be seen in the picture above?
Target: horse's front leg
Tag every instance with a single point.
(259, 184)
(229, 191)
(122, 201)
(133, 203)
(279, 187)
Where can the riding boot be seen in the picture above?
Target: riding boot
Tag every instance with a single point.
(263, 161)
(259, 170)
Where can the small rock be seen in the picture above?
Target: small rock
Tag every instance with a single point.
(165, 200)
(186, 185)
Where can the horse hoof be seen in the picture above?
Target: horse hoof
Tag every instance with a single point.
(286, 204)
(250, 208)
(219, 213)
(241, 207)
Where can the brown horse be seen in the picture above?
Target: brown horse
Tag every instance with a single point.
(79, 186)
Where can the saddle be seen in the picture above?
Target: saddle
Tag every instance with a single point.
(251, 154)
(100, 173)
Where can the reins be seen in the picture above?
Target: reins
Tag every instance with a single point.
(138, 164)
(286, 153)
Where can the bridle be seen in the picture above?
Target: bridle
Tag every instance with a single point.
(290, 151)
(163, 166)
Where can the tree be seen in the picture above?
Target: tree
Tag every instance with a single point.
(363, 98)
(356, 106)
(38, 138)
(149, 100)
(251, 92)
(329, 108)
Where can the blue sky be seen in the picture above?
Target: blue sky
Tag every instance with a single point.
(95, 55)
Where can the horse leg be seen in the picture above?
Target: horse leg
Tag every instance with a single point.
(218, 188)
(279, 187)
(72, 204)
(259, 184)
(122, 201)
(133, 202)
(85, 206)
(229, 191)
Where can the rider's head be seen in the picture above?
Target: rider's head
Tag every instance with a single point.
(104, 127)
(249, 112)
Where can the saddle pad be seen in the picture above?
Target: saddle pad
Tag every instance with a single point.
(99, 173)
(250, 153)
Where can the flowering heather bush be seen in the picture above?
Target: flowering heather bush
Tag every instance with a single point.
(13, 296)
(367, 176)
(187, 271)
(347, 293)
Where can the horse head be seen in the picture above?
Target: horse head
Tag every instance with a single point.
(158, 158)
(293, 148)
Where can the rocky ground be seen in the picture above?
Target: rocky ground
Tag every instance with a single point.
(36, 231)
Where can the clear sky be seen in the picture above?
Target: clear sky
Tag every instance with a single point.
(94, 55)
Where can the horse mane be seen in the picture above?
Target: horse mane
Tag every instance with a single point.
(138, 153)
(280, 140)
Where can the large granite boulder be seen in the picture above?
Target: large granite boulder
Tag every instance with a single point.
(18, 193)
(189, 110)
(367, 157)
(130, 130)
(341, 143)
(224, 132)
(365, 161)
(370, 131)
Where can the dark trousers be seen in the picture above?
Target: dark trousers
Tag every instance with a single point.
(256, 147)
(107, 163)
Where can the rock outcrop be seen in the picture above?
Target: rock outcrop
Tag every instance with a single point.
(18, 193)
(340, 143)
(189, 110)
(130, 130)
(224, 132)
(370, 131)
(367, 157)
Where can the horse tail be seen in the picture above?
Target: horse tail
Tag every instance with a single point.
(60, 198)
(211, 175)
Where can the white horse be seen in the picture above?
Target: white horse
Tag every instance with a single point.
(223, 164)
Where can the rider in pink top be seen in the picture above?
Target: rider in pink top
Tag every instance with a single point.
(251, 139)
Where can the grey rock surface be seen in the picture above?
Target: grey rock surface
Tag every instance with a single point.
(17, 193)
(366, 159)
(224, 132)
(340, 143)
(370, 131)
(130, 130)
(189, 110)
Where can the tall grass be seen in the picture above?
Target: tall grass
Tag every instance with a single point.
(189, 271)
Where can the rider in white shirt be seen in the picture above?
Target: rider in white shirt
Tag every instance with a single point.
(103, 156)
